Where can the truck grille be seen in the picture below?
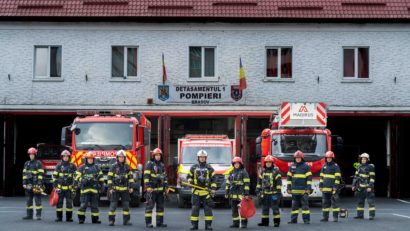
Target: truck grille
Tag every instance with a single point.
(220, 181)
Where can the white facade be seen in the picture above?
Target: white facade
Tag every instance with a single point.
(317, 64)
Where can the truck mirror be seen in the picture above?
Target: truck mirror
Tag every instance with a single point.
(66, 136)
(258, 147)
(337, 143)
(175, 162)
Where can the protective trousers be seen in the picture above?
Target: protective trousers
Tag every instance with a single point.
(361, 198)
(206, 201)
(37, 199)
(155, 198)
(67, 195)
(235, 213)
(125, 201)
(85, 199)
(330, 200)
(300, 201)
(267, 204)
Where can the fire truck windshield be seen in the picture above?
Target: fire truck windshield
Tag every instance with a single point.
(309, 144)
(104, 136)
(216, 155)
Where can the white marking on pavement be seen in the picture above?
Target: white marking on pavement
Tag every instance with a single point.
(399, 215)
(407, 202)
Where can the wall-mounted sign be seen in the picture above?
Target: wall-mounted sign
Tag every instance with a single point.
(198, 94)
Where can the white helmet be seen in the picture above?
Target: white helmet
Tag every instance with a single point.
(121, 153)
(365, 155)
(202, 153)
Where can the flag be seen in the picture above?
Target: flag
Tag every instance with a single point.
(164, 70)
(242, 78)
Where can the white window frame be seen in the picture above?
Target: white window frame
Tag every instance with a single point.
(121, 78)
(356, 63)
(47, 77)
(204, 78)
(279, 77)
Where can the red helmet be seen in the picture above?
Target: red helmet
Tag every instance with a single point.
(269, 158)
(156, 151)
(32, 151)
(89, 155)
(237, 159)
(330, 154)
(65, 153)
(299, 153)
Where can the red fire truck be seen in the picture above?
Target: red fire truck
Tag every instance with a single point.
(220, 151)
(49, 156)
(104, 133)
(299, 126)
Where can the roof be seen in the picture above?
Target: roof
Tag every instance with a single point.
(247, 10)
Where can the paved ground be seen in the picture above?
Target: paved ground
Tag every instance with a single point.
(391, 215)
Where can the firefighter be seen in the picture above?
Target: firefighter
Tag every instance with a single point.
(33, 173)
(120, 184)
(269, 189)
(202, 175)
(237, 187)
(299, 185)
(90, 179)
(63, 182)
(156, 184)
(363, 185)
(330, 177)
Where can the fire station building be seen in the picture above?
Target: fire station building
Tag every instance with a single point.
(179, 62)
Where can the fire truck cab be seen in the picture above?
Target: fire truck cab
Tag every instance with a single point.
(220, 151)
(299, 126)
(104, 133)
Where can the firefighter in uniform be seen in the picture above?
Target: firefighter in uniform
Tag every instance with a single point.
(202, 175)
(120, 184)
(90, 179)
(33, 173)
(269, 189)
(330, 178)
(237, 187)
(363, 185)
(63, 182)
(299, 185)
(156, 184)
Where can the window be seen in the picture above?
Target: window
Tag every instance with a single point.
(47, 62)
(356, 62)
(202, 63)
(124, 62)
(279, 62)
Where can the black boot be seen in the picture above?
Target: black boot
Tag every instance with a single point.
(29, 215)
(244, 224)
(148, 222)
(208, 225)
(161, 225)
(235, 224)
(38, 214)
(126, 220)
(69, 216)
(358, 217)
(276, 222)
(324, 219)
(264, 222)
(95, 220)
(81, 219)
(111, 220)
(59, 216)
(194, 225)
